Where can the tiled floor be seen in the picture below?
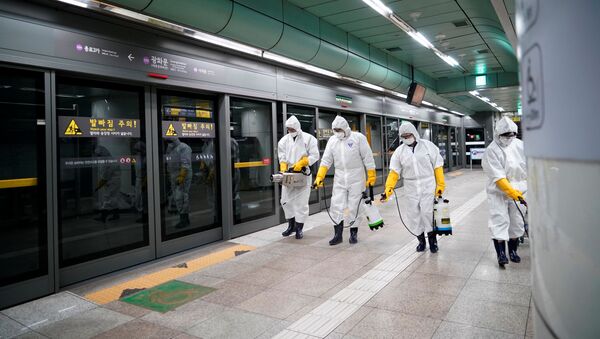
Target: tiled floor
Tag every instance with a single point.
(457, 293)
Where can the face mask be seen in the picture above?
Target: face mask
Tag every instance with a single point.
(293, 134)
(408, 141)
(506, 141)
(340, 135)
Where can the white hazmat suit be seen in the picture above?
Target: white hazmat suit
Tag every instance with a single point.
(350, 153)
(290, 150)
(505, 161)
(416, 166)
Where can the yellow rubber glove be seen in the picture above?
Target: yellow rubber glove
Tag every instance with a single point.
(181, 176)
(303, 162)
(320, 176)
(371, 177)
(390, 184)
(283, 167)
(506, 187)
(440, 184)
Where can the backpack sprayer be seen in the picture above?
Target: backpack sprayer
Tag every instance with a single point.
(441, 216)
(374, 219)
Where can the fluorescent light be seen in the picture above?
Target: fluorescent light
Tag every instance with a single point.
(475, 93)
(371, 86)
(426, 102)
(295, 63)
(379, 7)
(500, 109)
(442, 108)
(450, 60)
(75, 3)
(421, 39)
(400, 23)
(486, 100)
(458, 113)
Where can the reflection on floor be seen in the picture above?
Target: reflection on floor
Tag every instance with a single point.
(277, 288)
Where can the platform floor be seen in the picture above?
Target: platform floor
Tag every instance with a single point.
(288, 288)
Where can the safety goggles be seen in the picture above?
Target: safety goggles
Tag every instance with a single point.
(508, 134)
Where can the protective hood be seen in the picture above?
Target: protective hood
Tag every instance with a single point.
(504, 125)
(407, 127)
(293, 122)
(340, 122)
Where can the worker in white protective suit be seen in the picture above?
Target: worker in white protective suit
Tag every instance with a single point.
(420, 164)
(350, 153)
(505, 166)
(179, 166)
(296, 151)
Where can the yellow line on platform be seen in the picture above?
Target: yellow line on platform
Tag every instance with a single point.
(113, 293)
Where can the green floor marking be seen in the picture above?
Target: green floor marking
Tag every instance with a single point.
(168, 296)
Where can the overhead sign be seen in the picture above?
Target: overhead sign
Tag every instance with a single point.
(190, 112)
(342, 100)
(83, 127)
(477, 153)
(324, 133)
(183, 129)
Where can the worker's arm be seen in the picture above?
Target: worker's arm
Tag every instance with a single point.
(505, 186)
(440, 183)
(390, 184)
(320, 176)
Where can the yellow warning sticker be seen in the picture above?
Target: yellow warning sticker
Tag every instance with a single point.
(171, 131)
(73, 129)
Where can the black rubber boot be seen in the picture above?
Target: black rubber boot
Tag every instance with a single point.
(353, 235)
(512, 250)
(501, 252)
(421, 246)
(299, 234)
(184, 221)
(337, 236)
(433, 247)
(291, 227)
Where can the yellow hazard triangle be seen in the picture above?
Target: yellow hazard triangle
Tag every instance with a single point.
(73, 129)
(171, 131)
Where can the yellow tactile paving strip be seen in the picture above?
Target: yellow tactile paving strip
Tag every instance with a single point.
(113, 293)
(455, 174)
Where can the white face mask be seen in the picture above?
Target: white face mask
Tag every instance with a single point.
(293, 134)
(408, 141)
(340, 135)
(506, 141)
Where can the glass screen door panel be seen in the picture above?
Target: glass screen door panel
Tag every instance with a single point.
(189, 164)
(23, 230)
(252, 156)
(324, 131)
(103, 203)
(375, 140)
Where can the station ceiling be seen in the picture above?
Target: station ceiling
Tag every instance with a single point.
(352, 39)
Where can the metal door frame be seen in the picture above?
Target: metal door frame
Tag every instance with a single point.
(46, 284)
(378, 188)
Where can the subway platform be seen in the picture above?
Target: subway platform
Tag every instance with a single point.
(265, 286)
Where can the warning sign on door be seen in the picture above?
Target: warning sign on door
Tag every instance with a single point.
(533, 88)
(82, 127)
(183, 129)
(73, 129)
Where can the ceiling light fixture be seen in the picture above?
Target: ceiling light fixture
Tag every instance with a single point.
(385, 11)
(486, 100)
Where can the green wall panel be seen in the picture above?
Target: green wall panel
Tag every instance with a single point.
(206, 15)
(137, 5)
(252, 28)
(296, 44)
(272, 8)
(424, 79)
(301, 19)
(378, 56)
(329, 57)
(333, 35)
(358, 47)
(508, 79)
(376, 74)
(393, 80)
(355, 66)
(451, 85)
